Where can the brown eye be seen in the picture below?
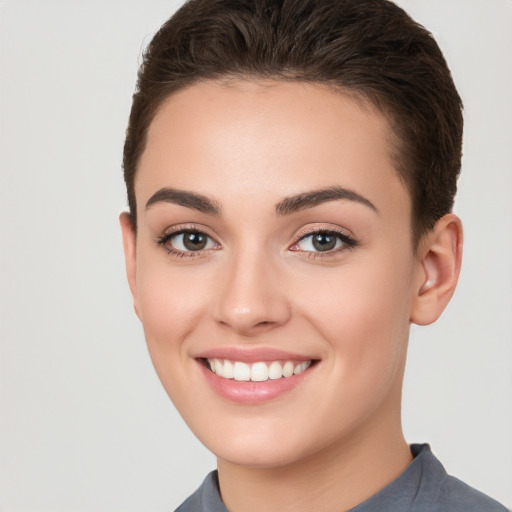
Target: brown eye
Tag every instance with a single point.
(188, 241)
(324, 242)
(194, 241)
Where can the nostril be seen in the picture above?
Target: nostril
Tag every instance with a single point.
(250, 306)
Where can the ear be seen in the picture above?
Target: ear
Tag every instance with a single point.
(439, 262)
(129, 244)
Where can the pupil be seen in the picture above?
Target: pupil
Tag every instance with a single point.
(194, 241)
(323, 242)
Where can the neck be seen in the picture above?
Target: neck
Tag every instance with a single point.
(337, 478)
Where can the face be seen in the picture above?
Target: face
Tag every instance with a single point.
(273, 269)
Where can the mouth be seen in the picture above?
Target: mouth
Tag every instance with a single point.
(259, 371)
(251, 376)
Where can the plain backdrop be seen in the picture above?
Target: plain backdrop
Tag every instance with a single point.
(85, 425)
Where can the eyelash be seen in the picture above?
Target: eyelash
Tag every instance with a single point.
(164, 240)
(346, 240)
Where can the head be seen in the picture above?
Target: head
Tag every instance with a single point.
(366, 48)
(291, 167)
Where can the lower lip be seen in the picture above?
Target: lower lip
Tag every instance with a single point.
(249, 392)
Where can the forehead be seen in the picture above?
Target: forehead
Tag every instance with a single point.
(267, 140)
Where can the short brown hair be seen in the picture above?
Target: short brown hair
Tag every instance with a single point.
(371, 48)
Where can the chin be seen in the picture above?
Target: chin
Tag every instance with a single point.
(265, 445)
(258, 456)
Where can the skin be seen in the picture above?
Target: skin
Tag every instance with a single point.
(335, 439)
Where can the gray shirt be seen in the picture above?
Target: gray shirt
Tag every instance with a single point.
(423, 487)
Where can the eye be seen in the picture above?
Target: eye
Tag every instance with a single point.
(323, 241)
(187, 241)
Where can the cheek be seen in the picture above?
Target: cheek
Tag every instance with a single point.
(171, 305)
(170, 302)
(363, 312)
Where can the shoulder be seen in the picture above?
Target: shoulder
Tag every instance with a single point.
(444, 492)
(192, 503)
(455, 496)
(206, 498)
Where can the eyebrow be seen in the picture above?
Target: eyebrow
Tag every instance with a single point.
(306, 200)
(192, 200)
(287, 206)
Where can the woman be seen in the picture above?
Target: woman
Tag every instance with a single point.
(291, 169)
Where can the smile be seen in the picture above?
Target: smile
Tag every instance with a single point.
(258, 371)
(255, 376)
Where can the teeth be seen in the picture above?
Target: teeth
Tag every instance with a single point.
(258, 372)
(241, 371)
(301, 367)
(217, 367)
(275, 370)
(288, 369)
(228, 370)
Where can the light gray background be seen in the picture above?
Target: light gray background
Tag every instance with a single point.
(84, 424)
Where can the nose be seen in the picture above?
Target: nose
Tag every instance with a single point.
(252, 296)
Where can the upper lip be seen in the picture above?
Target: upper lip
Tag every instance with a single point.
(252, 354)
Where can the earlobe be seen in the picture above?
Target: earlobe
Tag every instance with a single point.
(440, 258)
(129, 244)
